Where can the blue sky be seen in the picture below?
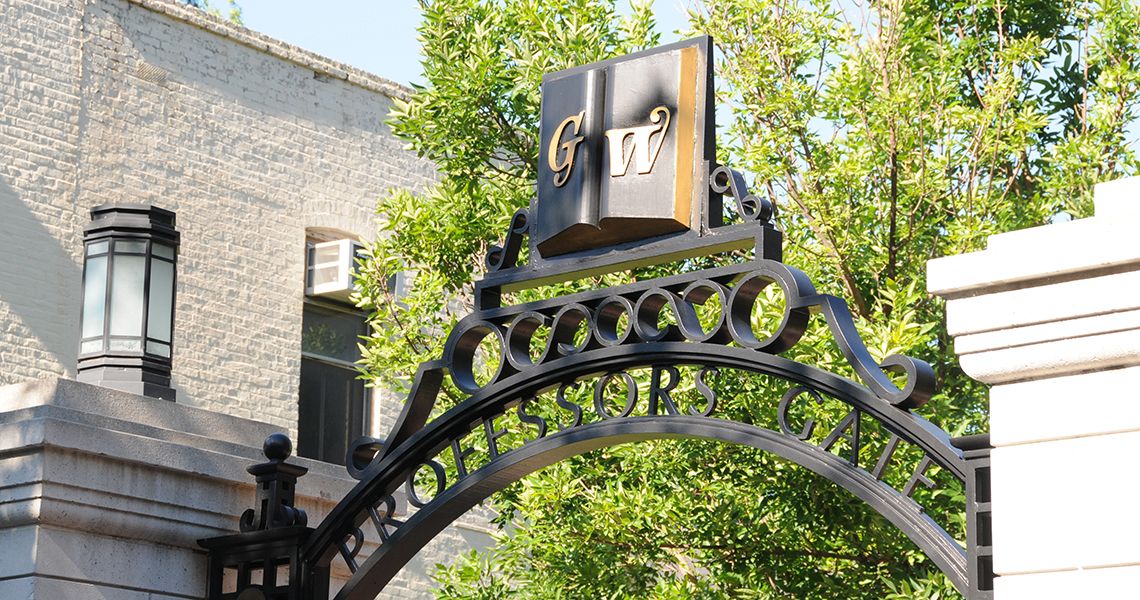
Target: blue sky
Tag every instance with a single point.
(375, 35)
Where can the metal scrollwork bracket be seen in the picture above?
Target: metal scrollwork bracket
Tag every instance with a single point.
(507, 255)
(751, 208)
(501, 258)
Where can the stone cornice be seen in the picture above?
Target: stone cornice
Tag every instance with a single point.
(275, 47)
(1052, 300)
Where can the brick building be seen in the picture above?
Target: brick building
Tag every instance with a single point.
(263, 150)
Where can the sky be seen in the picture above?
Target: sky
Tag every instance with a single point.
(378, 36)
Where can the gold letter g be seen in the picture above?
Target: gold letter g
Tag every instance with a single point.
(562, 168)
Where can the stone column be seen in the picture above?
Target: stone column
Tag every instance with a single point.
(1050, 318)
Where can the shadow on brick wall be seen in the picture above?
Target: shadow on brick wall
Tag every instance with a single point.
(40, 286)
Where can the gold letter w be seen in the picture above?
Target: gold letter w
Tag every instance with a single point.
(642, 145)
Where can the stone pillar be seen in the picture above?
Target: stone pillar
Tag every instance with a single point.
(1050, 318)
(104, 495)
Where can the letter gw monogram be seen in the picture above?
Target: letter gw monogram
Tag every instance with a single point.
(643, 146)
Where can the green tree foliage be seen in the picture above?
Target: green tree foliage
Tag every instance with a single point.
(886, 133)
(232, 14)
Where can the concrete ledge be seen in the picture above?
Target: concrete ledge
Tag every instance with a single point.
(1049, 301)
(1118, 200)
(99, 401)
(295, 54)
(49, 588)
(135, 429)
(1054, 358)
(1050, 253)
(1044, 304)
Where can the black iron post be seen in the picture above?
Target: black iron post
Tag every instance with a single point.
(979, 524)
(127, 323)
(262, 562)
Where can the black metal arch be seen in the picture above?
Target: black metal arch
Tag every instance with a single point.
(584, 340)
(429, 521)
(381, 478)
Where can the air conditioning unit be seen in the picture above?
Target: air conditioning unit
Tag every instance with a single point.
(330, 269)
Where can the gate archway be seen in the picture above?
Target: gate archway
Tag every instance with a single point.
(695, 323)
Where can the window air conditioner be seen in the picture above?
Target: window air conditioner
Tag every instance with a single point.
(330, 269)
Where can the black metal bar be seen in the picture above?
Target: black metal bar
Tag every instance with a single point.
(382, 477)
(422, 527)
(382, 466)
(670, 248)
(979, 522)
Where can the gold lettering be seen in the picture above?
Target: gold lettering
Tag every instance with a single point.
(641, 146)
(563, 167)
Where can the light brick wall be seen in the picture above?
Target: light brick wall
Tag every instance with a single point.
(250, 140)
(40, 133)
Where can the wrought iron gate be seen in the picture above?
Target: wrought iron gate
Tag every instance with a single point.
(562, 396)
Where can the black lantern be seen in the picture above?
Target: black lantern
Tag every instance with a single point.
(129, 268)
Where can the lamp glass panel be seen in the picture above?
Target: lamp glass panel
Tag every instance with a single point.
(162, 250)
(90, 346)
(161, 296)
(94, 296)
(132, 247)
(98, 248)
(127, 280)
(125, 345)
(159, 348)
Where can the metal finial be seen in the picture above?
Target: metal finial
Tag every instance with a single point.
(276, 486)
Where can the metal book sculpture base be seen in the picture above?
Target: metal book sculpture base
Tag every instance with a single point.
(566, 383)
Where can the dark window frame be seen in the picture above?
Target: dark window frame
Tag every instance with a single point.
(364, 411)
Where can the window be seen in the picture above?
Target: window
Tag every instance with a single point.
(333, 402)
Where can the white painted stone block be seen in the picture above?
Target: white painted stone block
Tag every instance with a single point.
(1050, 253)
(1052, 316)
(1119, 583)
(1046, 304)
(17, 552)
(1065, 407)
(1066, 504)
(115, 562)
(1048, 332)
(1030, 256)
(1119, 199)
(98, 496)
